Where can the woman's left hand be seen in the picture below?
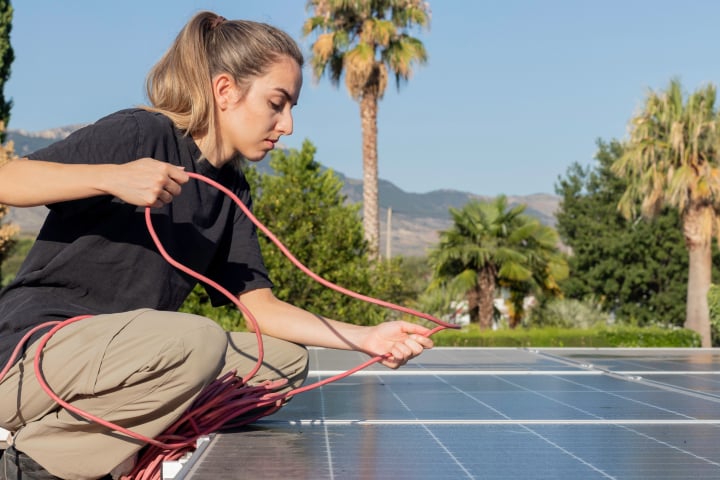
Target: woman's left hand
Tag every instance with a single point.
(400, 340)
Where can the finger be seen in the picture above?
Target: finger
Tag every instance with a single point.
(414, 347)
(414, 328)
(165, 196)
(179, 175)
(173, 188)
(401, 351)
(392, 362)
(426, 342)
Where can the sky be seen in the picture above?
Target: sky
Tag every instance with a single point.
(514, 91)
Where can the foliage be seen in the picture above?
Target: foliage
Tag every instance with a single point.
(302, 205)
(491, 245)
(671, 157)
(670, 160)
(714, 304)
(568, 313)
(15, 256)
(226, 316)
(7, 56)
(8, 232)
(367, 41)
(364, 40)
(599, 337)
(415, 273)
(635, 270)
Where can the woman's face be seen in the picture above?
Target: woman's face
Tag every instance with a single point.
(251, 124)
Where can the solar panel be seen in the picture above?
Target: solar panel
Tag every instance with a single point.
(489, 414)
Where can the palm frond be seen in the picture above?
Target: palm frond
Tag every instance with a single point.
(369, 28)
(671, 152)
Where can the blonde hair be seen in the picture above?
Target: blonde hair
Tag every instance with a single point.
(179, 85)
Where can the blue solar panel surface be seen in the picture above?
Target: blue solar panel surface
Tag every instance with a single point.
(489, 414)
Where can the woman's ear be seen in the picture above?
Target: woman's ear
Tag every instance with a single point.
(225, 91)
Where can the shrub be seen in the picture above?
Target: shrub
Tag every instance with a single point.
(597, 337)
(568, 313)
(714, 305)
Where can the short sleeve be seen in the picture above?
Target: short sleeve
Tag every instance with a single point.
(241, 268)
(112, 139)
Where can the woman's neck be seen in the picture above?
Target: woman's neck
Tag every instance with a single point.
(213, 151)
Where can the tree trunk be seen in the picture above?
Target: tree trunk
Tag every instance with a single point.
(517, 300)
(473, 298)
(371, 222)
(699, 273)
(486, 294)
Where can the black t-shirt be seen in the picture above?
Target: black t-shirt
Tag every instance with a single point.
(96, 256)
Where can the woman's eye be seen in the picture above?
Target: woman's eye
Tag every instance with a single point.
(275, 106)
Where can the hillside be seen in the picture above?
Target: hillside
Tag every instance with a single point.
(416, 217)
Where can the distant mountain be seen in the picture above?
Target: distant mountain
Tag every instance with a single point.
(27, 142)
(416, 217)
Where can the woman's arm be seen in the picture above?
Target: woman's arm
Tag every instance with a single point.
(402, 340)
(145, 182)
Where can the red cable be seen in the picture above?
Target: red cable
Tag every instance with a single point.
(227, 398)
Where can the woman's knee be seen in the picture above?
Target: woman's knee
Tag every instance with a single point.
(204, 343)
(303, 363)
(282, 359)
(302, 359)
(193, 346)
(290, 360)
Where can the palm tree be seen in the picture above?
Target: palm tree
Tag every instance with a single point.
(490, 245)
(366, 39)
(671, 159)
(539, 243)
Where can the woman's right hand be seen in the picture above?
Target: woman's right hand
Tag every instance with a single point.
(146, 182)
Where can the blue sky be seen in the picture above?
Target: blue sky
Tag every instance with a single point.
(514, 92)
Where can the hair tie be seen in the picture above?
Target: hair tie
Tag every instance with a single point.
(218, 20)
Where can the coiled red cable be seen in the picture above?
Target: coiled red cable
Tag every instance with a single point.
(229, 401)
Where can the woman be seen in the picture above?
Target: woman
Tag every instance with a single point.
(223, 92)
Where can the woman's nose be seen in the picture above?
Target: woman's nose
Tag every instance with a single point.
(285, 125)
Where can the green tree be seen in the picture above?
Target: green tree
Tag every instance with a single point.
(714, 304)
(670, 160)
(8, 232)
(636, 270)
(366, 40)
(302, 205)
(7, 56)
(491, 245)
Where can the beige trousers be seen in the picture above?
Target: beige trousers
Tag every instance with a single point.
(139, 369)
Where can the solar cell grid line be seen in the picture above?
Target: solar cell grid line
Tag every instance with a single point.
(534, 432)
(647, 370)
(328, 447)
(423, 422)
(434, 437)
(648, 360)
(705, 404)
(691, 384)
(675, 447)
(625, 361)
(497, 413)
